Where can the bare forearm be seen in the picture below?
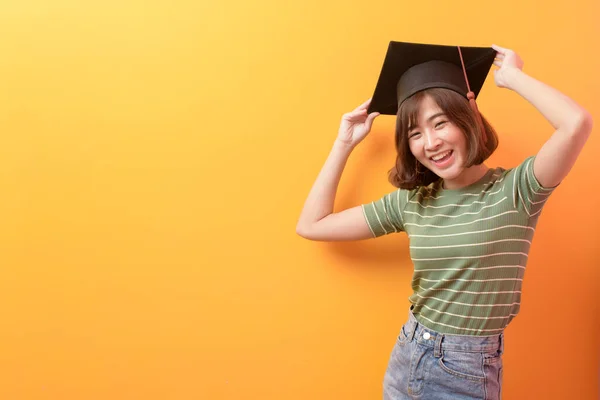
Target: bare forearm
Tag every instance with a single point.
(572, 124)
(562, 112)
(321, 198)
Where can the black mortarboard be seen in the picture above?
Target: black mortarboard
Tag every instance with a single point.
(411, 67)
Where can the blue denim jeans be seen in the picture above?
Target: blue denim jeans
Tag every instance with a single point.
(425, 364)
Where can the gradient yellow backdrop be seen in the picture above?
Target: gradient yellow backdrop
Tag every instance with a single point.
(154, 159)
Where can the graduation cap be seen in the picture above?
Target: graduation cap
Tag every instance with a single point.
(411, 67)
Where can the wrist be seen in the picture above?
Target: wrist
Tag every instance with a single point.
(342, 145)
(512, 77)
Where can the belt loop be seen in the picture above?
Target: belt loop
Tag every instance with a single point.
(413, 329)
(501, 344)
(413, 322)
(437, 347)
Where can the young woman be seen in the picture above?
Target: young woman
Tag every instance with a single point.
(470, 226)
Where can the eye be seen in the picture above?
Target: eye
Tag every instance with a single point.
(440, 124)
(413, 135)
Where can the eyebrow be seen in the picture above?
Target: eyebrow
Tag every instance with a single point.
(434, 116)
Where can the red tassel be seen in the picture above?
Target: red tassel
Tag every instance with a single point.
(471, 97)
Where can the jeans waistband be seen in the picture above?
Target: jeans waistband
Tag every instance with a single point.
(441, 341)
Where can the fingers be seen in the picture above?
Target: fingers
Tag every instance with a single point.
(358, 113)
(355, 116)
(370, 119)
(499, 49)
(363, 106)
(499, 56)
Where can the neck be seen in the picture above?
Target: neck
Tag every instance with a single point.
(466, 178)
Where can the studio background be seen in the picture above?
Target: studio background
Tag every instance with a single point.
(155, 157)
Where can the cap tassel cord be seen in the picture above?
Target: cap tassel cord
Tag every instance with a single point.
(471, 97)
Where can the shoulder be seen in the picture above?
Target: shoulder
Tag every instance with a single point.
(502, 174)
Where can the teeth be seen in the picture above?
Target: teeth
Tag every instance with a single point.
(440, 156)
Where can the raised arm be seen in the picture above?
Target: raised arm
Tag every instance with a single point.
(317, 220)
(572, 123)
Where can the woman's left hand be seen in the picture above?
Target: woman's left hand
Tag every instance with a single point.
(506, 61)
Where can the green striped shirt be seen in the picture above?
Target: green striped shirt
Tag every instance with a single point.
(469, 246)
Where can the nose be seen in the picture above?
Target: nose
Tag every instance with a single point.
(432, 141)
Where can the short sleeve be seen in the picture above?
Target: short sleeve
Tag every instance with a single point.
(528, 194)
(384, 216)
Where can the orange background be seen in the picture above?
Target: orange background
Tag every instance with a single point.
(155, 157)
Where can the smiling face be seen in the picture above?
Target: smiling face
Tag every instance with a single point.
(438, 136)
(437, 142)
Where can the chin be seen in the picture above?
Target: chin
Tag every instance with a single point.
(448, 174)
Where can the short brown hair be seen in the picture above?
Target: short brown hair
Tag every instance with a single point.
(408, 173)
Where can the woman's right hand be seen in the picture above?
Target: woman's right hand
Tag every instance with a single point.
(356, 125)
